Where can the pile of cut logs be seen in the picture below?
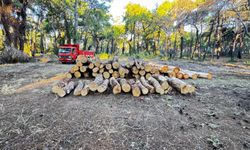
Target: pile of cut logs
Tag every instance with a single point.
(134, 76)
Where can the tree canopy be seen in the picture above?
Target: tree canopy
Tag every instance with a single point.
(178, 28)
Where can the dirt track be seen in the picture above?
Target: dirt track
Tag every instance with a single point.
(37, 119)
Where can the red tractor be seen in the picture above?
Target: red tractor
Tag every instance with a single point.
(68, 53)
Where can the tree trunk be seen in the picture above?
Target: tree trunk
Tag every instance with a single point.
(85, 42)
(6, 27)
(22, 26)
(76, 22)
(67, 29)
(181, 46)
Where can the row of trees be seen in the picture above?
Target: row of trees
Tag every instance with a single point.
(183, 28)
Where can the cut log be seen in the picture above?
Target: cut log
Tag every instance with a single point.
(111, 71)
(97, 63)
(70, 87)
(163, 81)
(122, 71)
(62, 92)
(185, 76)
(161, 68)
(72, 70)
(94, 84)
(60, 85)
(95, 70)
(102, 66)
(147, 85)
(101, 70)
(91, 65)
(179, 75)
(108, 66)
(204, 75)
(75, 68)
(156, 85)
(103, 87)
(78, 89)
(81, 58)
(191, 74)
(115, 74)
(77, 74)
(79, 64)
(148, 75)
(115, 86)
(144, 90)
(171, 74)
(106, 75)
(94, 74)
(153, 70)
(142, 72)
(85, 90)
(135, 70)
(148, 67)
(136, 91)
(125, 86)
(83, 69)
(181, 86)
(115, 65)
(174, 69)
(69, 75)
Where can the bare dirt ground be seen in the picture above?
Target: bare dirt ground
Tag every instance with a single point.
(216, 117)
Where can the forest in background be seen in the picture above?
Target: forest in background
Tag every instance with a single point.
(195, 29)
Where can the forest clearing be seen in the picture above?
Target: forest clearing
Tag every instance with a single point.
(217, 116)
(125, 74)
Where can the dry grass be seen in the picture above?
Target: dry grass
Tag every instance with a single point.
(40, 84)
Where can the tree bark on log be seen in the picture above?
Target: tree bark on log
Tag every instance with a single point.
(174, 69)
(125, 86)
(163, 81)
(191, 74)
(103, 87)
(62, 92)
(85, 90)
(136, 91)
(61, 84)
(78, 89)
(144, 90)
(94, 84)
(147, 85)
(204, 75)
(115, 86)
(181, 86)
(156, 85)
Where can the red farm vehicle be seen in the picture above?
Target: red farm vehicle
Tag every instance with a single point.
(68, 53)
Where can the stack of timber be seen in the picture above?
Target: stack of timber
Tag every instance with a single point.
(134, 76)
